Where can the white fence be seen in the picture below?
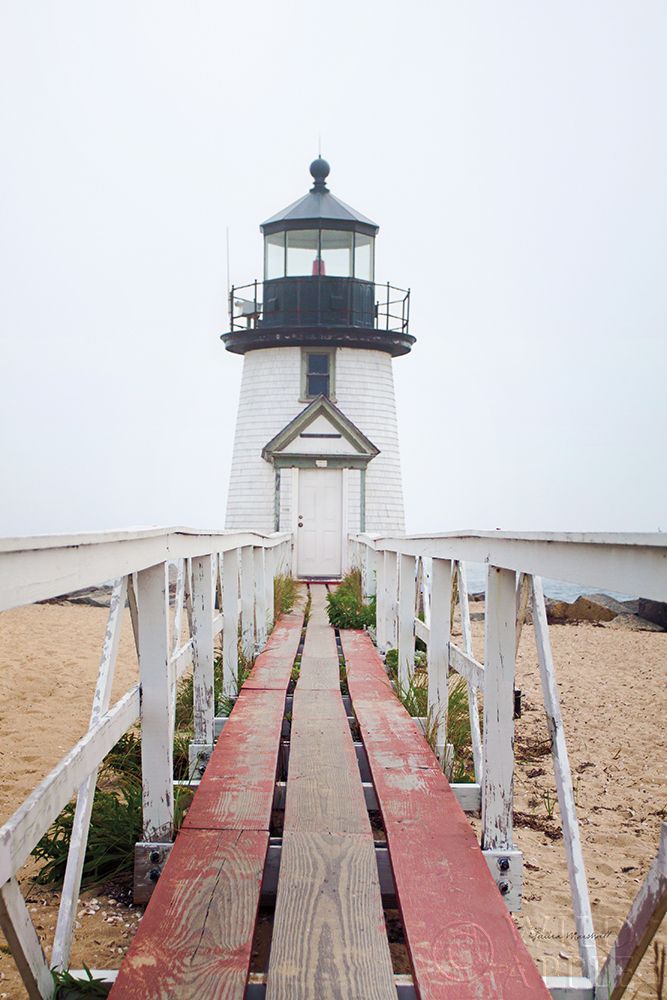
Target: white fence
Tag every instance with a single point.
(223, 581)
(409, 573)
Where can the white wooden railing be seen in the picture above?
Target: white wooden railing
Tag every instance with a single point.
(224, 581)
(419, 571)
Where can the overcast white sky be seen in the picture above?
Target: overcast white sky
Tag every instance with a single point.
(515, 156)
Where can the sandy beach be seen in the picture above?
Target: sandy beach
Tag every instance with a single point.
(614, 703)
(612, 686)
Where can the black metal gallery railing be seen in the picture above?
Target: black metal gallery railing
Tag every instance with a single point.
(319, 301)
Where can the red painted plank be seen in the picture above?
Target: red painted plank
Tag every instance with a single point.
(236, 791)
(195, 938)
(273, 666)
(462, 940)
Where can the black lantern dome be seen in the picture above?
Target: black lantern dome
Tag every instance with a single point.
(319, 281)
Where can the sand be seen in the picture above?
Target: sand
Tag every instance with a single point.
(614, 706)
(49, 659)
(612, 686)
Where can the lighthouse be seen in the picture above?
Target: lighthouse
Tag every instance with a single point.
(316, 447)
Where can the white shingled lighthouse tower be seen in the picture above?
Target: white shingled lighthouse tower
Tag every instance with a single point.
(316, 447)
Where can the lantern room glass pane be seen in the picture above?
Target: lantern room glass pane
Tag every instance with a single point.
(336, 253)
(303, 247)
(274, 255)
(363, 257)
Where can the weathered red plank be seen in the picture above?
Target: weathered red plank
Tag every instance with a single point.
(273, 667)
(462, 941)
(236, 791)
(195, 938)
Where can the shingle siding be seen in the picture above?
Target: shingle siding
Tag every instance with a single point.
(269, 399)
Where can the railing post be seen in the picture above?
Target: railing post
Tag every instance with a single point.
(368, 561)
(380, 614)
(269, 575)
(202, 663)
(260, 598)
(505, 863)
(438, 652)
(498, 709)
(390, 591)
(406, 621)
(247, 603)
(156, 747)
(230, 623)
(157, 765)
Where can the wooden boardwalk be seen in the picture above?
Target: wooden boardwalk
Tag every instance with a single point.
(329, 938)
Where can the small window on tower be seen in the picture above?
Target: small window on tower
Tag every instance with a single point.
(317, 375)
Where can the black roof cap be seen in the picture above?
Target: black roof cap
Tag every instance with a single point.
(319, 206)
(319, 170)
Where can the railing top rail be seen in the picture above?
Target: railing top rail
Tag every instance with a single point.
(629, 563)
(22, 543)
(37, 568)
(658, 539)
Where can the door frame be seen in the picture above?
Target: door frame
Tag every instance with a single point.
(344, 553)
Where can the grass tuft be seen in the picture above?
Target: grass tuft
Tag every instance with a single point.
(346, 605)
(284, 594)
(68, 987)
(116, 823)
(414, 697)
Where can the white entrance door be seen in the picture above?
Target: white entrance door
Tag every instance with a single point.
(320, 523)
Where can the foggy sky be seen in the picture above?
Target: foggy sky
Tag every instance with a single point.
(514, 156)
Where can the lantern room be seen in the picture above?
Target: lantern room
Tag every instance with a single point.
(319, 237)
(319, 281)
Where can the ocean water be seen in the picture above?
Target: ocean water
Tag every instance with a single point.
(476, 574)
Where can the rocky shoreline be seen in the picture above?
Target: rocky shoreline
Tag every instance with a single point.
(637, 615)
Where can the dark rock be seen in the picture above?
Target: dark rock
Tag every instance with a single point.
(96, 597)
(633, 623)
(653, 611)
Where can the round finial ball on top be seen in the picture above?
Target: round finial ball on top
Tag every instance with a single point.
(319, 170)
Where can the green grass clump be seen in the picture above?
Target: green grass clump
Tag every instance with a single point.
(458, 731)
(67, 986)
(115, 827)
(414, 697)
(284, 594)
(116, 823)
(346, 606)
